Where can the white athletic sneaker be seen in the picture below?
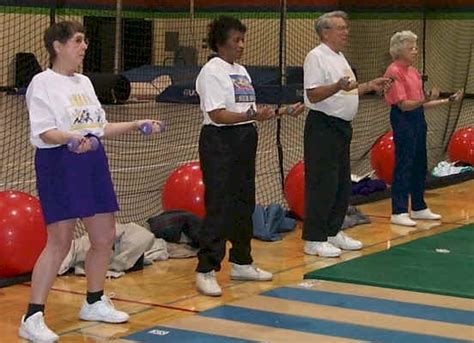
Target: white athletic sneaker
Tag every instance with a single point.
(34, 329)
(344, 242)
(249, 272)
(206, 283)
(402, 219)
(102, 311)
(322, 249)
(425, 214)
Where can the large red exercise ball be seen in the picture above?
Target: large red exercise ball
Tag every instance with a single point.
(22, 233)
(382, 157)
(294, 189)
(461, 146)
(184, 190)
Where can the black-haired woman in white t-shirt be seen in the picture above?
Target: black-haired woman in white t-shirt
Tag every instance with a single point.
(227, 152)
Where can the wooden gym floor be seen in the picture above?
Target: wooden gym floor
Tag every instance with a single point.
(165, 291)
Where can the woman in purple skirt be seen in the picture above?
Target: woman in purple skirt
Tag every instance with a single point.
(72, 175)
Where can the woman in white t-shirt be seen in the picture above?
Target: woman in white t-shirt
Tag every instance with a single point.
(72, 176)
(227, 151)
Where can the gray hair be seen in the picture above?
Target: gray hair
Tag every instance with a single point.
(324, 21)
(398, 41)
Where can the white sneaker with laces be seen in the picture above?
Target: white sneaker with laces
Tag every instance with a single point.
(425, 214)
(402, 219)
(102, 311)
(34, 329)
(249, 272)
(322, 249)
(206, 283)
(344, 242)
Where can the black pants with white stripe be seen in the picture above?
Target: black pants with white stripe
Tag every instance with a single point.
(328, 187)
(227, 155)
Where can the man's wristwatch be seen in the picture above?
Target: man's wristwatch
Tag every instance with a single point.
(251, 113)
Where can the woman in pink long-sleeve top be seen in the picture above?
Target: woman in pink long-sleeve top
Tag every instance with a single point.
(408, 102)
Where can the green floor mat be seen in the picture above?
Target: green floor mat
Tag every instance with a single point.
(440, 264)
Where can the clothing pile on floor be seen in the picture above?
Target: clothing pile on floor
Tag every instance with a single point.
(134, 247)
(445, 168)
(175, 234)
(367, 184)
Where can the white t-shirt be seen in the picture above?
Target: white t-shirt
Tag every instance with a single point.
(222, 85)
(66, 103)
(323, 66)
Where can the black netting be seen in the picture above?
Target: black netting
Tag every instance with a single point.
(159, 54)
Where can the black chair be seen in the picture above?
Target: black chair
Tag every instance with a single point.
(110, 88)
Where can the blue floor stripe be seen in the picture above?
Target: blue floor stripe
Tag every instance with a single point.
(356, 302)
(319, 326)
(164, 334)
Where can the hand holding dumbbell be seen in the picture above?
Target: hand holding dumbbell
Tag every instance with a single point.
(295, 110)
(346, 83)
(456, 96)
(82, 144)
(147, 127)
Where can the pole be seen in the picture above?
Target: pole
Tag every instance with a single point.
(423, 46)
(52, 12)
(191, 13)
(118, 37)
(282, 64)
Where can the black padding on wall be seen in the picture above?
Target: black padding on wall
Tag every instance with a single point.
(26, 66)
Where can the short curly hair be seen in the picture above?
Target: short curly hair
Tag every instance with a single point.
(219, 28)
(398, 41)
(60, 32)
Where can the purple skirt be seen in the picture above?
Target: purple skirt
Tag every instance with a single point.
(73, 185)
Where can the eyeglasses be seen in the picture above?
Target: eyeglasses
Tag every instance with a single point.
(341, 27)
(337, 27)
(80, 39)
(410, 48)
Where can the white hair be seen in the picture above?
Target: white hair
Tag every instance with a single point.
(398, 41)
(324, 21)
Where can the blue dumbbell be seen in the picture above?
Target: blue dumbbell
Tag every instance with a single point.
(147, 128)
(94, 143)
(74, 143)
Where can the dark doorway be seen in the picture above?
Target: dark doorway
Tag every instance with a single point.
(136, 43)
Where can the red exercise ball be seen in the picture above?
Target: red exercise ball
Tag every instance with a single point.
(184, 190)
(22, 233)
(294, 189)
(382, 157)
(461, 146)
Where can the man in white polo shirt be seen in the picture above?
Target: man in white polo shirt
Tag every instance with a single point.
(332, 95)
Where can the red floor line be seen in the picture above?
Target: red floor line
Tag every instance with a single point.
(126, 300)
